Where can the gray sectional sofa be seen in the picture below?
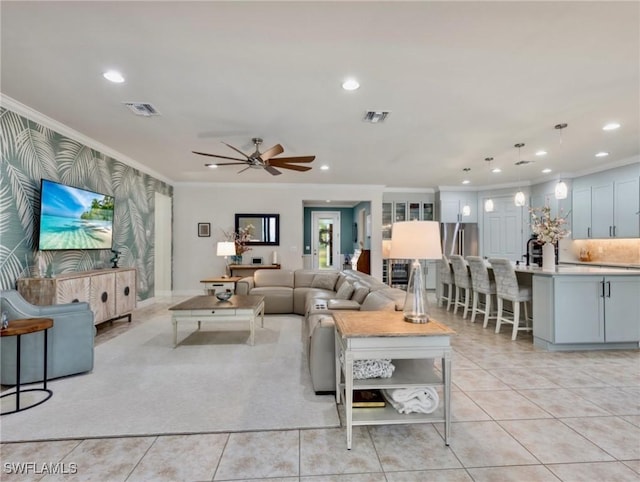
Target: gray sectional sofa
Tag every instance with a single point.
(315, 294)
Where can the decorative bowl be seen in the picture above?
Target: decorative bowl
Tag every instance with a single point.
(223, 295)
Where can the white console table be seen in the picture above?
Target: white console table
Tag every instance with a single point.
(384, 334)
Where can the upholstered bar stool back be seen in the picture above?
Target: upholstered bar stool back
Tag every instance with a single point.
(462, 279)
(446, 282)
(507, 288)
(482, 286)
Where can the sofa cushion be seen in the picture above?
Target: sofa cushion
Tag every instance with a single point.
(325, 281)
(343, 305)
(395, 294)
(273, 277)
(345, 291)
(360, 292)
(376, 301)
(341, 279)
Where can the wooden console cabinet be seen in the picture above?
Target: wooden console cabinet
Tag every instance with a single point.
(111, 293)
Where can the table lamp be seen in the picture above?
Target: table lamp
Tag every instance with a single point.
(416, 240)
(226, 248)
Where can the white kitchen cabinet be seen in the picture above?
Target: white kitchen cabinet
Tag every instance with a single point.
(605, 208)
(581, 213)
(587, 309)
(458, 207)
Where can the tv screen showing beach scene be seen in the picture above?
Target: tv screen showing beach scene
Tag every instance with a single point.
(74, 218)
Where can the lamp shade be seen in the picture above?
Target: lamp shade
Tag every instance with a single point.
(520, 199)
(386, 248)
(226, 248)
(561, 190)
(416, 240)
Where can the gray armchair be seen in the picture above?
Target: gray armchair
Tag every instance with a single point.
(70, 341)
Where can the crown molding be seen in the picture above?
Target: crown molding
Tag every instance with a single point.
(35, 116)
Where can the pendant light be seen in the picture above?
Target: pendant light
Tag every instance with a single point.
(488, 204)
(561, 190)
(519, 198)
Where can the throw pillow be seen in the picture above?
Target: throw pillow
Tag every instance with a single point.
(360, 292)
(324, 281)
(345, 291)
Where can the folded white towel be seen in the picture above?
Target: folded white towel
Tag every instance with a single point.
(413, 400)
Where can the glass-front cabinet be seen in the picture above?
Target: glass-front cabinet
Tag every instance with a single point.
(395, 272)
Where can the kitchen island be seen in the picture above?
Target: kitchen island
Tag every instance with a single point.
(584, 307)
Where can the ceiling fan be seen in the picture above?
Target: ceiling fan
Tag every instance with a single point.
(262, 160)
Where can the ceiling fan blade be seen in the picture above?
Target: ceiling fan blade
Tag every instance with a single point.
(272, 170)
(293, 167)
(269, 153)
(216, 155)
(242, 170)
(237, 150)
(293, 159)
(225, 164)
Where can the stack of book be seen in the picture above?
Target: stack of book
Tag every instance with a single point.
(368, 399)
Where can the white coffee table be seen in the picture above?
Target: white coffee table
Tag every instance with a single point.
(208, 308)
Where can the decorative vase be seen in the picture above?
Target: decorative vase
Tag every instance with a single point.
(237, 259)
(548, 257)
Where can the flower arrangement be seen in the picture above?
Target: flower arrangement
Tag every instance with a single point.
(241, 238)
(546, 228)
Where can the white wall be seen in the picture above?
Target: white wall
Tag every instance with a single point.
(194, 258)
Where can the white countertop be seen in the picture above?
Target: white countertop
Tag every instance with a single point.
(577, 270)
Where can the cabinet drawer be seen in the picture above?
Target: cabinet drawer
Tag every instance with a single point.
(211, 312)
(219, 286)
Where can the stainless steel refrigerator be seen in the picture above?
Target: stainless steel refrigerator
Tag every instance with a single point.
(459, 238)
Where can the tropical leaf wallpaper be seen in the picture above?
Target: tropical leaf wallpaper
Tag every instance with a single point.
(30, 152)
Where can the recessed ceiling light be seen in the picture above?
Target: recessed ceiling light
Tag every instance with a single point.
(212, 166)
(350, 84)
(324, 167)
(602, 154)
(466, 181)
(611, 126)
(496, 170)
(546, 171)
(113, 76)
(541, 153)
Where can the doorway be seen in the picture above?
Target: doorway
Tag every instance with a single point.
(325, 240)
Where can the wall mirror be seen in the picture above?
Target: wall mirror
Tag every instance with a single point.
(266, 228)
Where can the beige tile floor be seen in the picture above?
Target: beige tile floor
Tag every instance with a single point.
(519, 414)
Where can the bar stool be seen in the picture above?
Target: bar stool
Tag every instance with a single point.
(446, 282)
(481, 285)
(462, 279)
(507, 288)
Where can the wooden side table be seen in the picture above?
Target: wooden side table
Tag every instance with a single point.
(24, 327)
(364, 335)
(211, 285)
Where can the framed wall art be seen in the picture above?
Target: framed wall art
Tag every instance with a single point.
(204, 230)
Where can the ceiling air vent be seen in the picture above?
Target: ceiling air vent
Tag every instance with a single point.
(142, 108)
(375, 116)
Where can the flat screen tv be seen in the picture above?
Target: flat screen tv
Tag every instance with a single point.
(74, 218)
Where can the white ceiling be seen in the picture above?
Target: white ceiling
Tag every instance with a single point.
(462, 80)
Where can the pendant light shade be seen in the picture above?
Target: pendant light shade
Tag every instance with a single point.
(561, 190)
(519, 198)
(466, 210)
(488, 206)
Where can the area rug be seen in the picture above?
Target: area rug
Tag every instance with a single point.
(213, 381)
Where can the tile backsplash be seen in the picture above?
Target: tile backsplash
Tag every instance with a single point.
(626, 251)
